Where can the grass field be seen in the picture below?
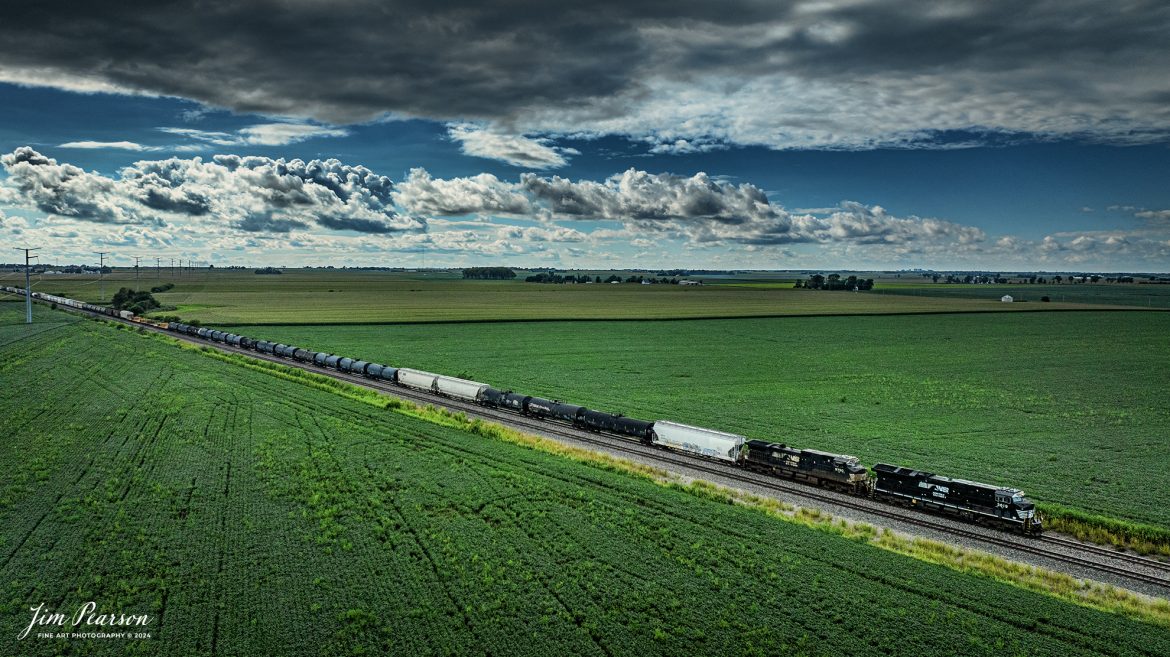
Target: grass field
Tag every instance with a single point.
(1071, 407)
(228, 297)
(253, 516)
(1136, 295)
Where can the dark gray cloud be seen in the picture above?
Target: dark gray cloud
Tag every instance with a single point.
(682, 75)
(359, 225)
(266, 222)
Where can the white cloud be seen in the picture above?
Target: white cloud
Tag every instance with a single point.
(253, 194)
(264, 134)
(265, 209)
(120, 145)
(422, 194)
(513, 149)
(1156, 215)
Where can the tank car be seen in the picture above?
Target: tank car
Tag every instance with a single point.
(626, 426)
(504, 399)
(547, 408)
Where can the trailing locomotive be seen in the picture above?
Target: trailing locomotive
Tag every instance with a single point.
(837, 471)
(971, 501)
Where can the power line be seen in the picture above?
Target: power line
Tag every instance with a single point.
(102, 274)
(27, 285)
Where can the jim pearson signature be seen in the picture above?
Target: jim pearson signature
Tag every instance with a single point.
(87, 615)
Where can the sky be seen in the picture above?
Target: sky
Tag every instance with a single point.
(830, 134)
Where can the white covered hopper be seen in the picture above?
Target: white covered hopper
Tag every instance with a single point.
(696, 440)
(417, 379)
(458, 388)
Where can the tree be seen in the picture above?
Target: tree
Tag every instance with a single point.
(489, 273)
(137, 302)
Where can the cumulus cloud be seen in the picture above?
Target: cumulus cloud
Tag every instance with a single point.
(66, 190)
(264, 208)
(684, 75)
(422, 194)
(697, 209)
(516, 150)
(255, 194)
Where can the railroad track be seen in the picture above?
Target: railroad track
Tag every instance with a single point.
(1106, 551)
(631, 446)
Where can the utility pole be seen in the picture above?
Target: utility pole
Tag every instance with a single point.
(136, 259)
(173, 268)
(158, 269)
(27, 285)
(102, 274)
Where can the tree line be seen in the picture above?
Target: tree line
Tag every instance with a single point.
(489, 273)
(835, 282)
(551, 277)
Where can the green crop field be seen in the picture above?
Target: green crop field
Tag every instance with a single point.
(228, 297)
(1133, 295)
(1069, 406)
(248, 515)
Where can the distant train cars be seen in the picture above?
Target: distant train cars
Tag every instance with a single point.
(1005, 508)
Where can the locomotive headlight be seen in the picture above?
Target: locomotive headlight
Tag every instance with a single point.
(1024, 515)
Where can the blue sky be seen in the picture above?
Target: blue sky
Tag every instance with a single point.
(819, 136)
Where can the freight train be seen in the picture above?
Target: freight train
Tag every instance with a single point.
(997, 506)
